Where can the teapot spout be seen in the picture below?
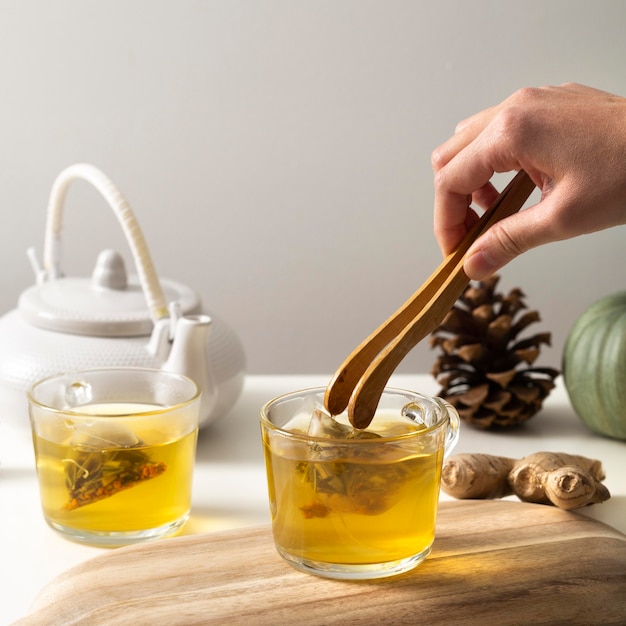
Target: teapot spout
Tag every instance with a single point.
(189, 356)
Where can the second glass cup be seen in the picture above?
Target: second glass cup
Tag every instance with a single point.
(115, 451)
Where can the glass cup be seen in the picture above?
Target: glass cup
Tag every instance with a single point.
(115, 451)
(355, 504)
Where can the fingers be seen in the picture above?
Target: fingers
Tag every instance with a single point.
(464, 165)
(509, 238)
(456, 185)
(466, 131)
(449, 232)
(485, 196)
(491, 252)
(451, 223)
(569, 139)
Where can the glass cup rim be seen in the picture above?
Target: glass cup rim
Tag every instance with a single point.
(441, 421)
(73, 412)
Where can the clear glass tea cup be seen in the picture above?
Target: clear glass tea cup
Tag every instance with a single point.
(115, 451)
(355, 504)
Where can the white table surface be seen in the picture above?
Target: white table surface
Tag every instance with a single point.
(229, 483)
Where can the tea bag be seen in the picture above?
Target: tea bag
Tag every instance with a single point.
(108, 433)
(385, 424)
(104, 455)
(322, 424)
(92, 475)
(352, 478)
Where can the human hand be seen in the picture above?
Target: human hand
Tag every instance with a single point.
(571, 140)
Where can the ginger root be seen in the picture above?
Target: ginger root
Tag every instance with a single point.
(565, 480)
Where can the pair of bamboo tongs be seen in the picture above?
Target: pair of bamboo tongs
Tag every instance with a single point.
(359, 383)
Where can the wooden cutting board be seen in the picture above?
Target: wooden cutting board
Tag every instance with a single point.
(493, 562)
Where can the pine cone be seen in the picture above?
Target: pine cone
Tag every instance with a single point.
(485, 371)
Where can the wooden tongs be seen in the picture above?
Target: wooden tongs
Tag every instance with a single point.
(359, 383)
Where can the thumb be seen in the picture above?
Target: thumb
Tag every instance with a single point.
(506, 240)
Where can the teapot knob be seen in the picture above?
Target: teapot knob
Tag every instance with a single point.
(110, 271)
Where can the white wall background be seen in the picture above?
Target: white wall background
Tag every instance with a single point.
(277, 153)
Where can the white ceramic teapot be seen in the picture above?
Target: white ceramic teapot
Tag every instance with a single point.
(66, 324)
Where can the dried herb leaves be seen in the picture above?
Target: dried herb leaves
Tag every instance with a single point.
(94, 474)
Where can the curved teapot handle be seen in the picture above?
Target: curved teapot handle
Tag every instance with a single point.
(52, 243)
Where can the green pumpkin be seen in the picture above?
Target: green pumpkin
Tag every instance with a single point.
(594, 366)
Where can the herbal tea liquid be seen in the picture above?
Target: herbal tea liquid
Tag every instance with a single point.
(116, 480)
(353, 512)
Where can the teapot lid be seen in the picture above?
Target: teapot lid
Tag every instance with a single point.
(110, 304)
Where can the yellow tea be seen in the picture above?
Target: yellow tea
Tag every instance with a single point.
(111, 479)
(358, 504)
(355, 503)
